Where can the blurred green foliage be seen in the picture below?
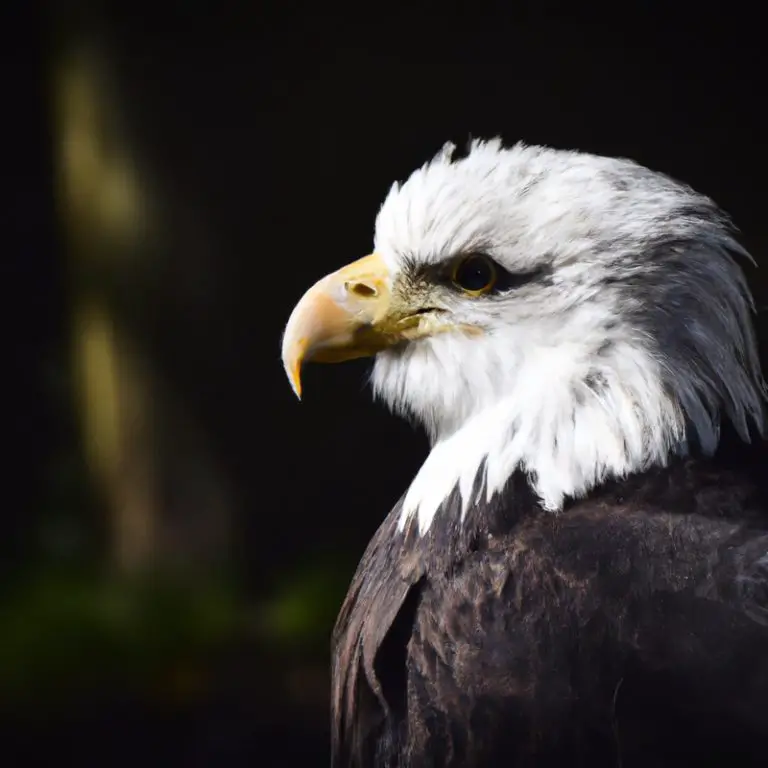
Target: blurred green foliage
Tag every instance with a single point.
(69, 633)
(62, 634)
(306, 603)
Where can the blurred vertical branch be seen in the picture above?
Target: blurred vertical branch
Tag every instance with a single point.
(142, 452)
(99, 198)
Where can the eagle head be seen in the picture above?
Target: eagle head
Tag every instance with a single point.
(571, 316)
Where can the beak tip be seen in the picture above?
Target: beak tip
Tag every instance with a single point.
(294, 379)
(293, 357)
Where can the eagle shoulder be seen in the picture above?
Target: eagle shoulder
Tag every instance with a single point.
(388, 573)
(516, 634)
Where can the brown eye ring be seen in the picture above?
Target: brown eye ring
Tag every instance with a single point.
(475, 274)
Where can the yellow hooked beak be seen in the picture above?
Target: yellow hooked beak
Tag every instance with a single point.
(347, 314)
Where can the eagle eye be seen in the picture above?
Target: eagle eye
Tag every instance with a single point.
(475, 274)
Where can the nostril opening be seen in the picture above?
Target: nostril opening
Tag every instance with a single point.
(363, 290)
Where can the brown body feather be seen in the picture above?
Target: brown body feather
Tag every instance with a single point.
(629, 630)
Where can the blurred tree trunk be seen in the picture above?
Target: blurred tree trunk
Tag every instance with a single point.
(166, 503)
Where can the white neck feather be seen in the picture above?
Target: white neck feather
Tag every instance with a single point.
(568, 432)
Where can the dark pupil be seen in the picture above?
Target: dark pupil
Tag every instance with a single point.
(474, 274)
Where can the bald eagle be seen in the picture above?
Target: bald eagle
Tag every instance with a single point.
(578, 574)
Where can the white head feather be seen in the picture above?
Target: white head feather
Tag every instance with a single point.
(635, 340)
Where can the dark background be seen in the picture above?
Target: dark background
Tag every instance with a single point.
(179, 531)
